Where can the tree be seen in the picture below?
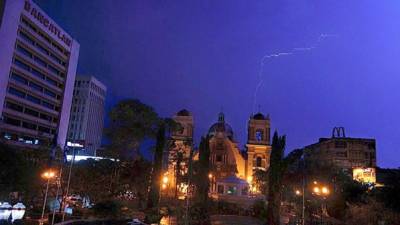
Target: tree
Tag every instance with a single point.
(91, 179)
(199, 213)
(20, 171)
(260, 180)
(12, 174)
(134, 178)
(131, 121)
(202, 182)
(154, 193)
(276, 171)
(107, 208)
(178, 171)
(275, 179)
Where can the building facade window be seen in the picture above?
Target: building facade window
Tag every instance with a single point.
(340, 144)
(218, 158)
(258, 161)
(12, 121)
(16, 92)
(259, 135)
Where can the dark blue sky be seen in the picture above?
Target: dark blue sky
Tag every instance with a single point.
(205, 55)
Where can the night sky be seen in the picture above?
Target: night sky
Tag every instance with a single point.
(206, 56)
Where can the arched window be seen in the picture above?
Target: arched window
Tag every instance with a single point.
(259, 161)
(259, 135)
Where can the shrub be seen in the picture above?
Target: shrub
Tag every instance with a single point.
(107, 208)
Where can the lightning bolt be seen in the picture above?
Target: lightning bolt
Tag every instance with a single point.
(268, 57)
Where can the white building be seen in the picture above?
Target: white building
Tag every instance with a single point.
(87, 114)
(38, 62)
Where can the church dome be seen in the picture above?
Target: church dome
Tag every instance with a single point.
(183, 112)
(259, 116)
(221, 126)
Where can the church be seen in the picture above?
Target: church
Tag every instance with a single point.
(232, 169)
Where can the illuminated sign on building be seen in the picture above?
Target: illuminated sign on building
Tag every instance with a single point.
(74, 144)
(365, 175)
(47, 23)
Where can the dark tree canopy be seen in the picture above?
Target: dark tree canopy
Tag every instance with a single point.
(202, 181)
(131, 121)
(275, 172)
(154, 193)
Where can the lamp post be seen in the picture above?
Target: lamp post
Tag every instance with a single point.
(321, 191)
(68, 184)
(57, 193)
(46, 175)
(163, 186)
(301, 193)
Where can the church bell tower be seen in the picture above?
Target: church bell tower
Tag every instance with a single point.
(258, 144)
(179, 153)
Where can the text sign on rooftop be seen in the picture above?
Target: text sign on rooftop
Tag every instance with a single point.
(47, 23)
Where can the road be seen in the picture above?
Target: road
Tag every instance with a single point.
(220, 220)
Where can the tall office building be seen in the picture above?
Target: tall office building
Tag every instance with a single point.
(87, 114)
(38, 62)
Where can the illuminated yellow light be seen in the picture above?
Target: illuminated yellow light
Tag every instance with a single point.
(249, 179)
(316, 190)
(325, 190)
(164, 186)
(365, 175)
(315, 182)
(298, 192)
(165, 180)
(48, 174)
(210, 175)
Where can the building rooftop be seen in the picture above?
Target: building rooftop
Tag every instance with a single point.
(183, 112)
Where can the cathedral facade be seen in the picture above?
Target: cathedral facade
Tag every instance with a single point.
(231, 168)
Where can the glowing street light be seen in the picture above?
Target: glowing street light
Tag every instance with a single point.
(322, 191)
(210, 176)
(298, 192)
(165, 180)
(316, 190)
(49, 174)
(325, 191)
(249, 179)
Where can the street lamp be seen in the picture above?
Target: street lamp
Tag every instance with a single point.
(322, 191)
(49, 174)
(165, 180)
(316, 190)
(325, 191)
